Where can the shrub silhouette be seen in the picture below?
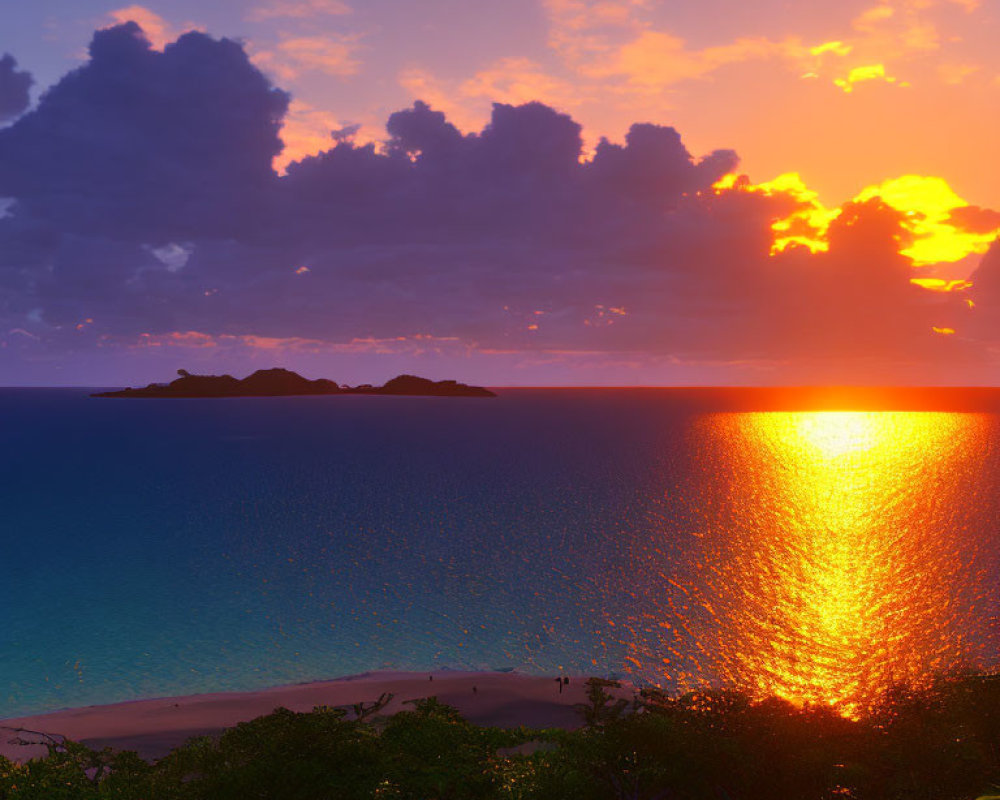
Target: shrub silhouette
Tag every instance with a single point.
(938, 742)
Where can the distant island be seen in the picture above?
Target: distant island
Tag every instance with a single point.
(279, 382)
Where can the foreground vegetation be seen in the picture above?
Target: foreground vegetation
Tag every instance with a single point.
(936, 743)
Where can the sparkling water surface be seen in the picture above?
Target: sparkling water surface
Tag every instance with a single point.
(162, 547)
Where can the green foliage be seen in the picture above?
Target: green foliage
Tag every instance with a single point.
(939, 742)
(72, 771)
(310, 756)
(602, 707)
(432, 752)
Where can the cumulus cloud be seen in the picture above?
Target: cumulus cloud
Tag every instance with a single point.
(138, 143)
(14, 89)
(148, 218)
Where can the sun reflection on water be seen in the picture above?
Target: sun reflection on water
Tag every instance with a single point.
(829, 565)
(830, 433)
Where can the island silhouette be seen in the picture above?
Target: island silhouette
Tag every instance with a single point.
(278, 382)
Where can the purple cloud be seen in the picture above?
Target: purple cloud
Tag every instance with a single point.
(142, 144)
(146, 205)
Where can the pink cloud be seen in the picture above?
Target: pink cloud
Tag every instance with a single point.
(509, 80)
(176, 339)
(415, 344)
(298, 9)
(308, 130)
(520, 80)
(659, 59)
(333, 55)
(158, 31)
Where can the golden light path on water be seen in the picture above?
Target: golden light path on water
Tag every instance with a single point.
(830, 564)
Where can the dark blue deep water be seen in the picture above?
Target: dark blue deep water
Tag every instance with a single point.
(160, 547)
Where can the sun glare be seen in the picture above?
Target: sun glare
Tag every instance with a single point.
(834, 433)
(927, 204)
(804, 227)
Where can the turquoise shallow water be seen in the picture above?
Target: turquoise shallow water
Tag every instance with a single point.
(158, 547)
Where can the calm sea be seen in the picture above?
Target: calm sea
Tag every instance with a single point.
(159, 547)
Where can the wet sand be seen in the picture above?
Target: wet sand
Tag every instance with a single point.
(154, 727)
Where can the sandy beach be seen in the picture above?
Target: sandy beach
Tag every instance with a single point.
(153, 727)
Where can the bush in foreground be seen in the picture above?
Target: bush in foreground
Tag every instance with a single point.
(941, 742)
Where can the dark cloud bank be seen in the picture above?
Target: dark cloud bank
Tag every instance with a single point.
(144, 206)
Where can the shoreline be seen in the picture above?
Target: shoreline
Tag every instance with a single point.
(153, 727)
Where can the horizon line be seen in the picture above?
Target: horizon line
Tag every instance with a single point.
(689, 387)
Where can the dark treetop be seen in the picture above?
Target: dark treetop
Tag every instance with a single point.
(282, 382)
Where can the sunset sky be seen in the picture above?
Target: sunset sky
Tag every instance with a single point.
(533, 192)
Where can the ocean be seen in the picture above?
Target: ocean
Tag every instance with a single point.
(165, 547)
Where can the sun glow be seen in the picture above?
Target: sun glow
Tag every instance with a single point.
(928, 205)
(806, 226)
(941, 285)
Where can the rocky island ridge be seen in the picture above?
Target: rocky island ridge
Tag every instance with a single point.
(278, 382)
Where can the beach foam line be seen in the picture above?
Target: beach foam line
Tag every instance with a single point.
(154, 727)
